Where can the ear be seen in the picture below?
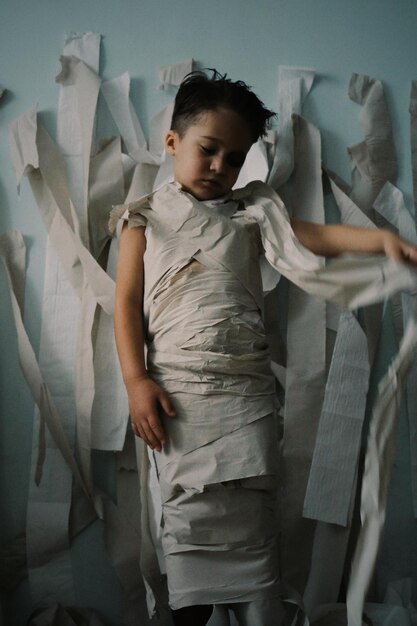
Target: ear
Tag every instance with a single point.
(171, 139)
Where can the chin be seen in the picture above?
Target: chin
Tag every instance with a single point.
(209, 192)
(207, 195)
(205, 191)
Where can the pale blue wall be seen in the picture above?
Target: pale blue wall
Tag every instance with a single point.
(248, 39)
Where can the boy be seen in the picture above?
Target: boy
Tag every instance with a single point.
(190, 285)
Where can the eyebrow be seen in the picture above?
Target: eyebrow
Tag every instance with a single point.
(211, 138)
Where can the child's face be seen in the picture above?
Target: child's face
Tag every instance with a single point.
(209, 155)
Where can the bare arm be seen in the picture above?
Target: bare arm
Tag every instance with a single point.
(334, 239)
(145, 396)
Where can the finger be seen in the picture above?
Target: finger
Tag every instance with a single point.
(134, 428)
(411, 255)
(154, 432)
(137, 431)
(141, 433)
(148, 438)
(157, 431)
(167, 406)
(395, 253)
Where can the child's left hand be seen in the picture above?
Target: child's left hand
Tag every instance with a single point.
(331, 240)
(398, 249)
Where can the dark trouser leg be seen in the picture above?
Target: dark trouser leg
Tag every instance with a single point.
(197, 615)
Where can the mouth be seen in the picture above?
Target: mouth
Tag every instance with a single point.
(209, 182)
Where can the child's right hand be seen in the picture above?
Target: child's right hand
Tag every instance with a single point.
(146, 398)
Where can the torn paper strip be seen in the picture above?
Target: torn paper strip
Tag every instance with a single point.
(294, 84)
(116, 94)
(174, 74)
(306, 366)
(378, 462)
(390, 203)
(373, 159)
(413, 138)
(47, 534)
(332, 480)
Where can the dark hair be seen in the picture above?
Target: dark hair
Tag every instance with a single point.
(199, 93)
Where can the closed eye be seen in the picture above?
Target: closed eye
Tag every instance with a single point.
(207, 151)
(233, 159)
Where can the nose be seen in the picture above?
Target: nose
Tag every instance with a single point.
(218, 164)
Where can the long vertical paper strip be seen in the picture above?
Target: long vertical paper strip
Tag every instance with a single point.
(327, 567)
(80, 85)
(330, 541)
(116, 94)
(378, 462)
(84, 383)
(110, 411)
(23, 146)
(294, 84)
(78, 95)
(409, 305)
(306, 366)
(352, 215)
(327, 485)
(12, 253)
(44, 556)
(155, 582)
(49, 510)
(330, 488)
(122, 535)
(324, 489)
(78, 263)
(373, 160)
(106, 188)
(413, 139)
(87, 85)
(53, 580)
(390, 203)
(142, 182)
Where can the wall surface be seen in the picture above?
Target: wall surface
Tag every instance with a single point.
(248, 40)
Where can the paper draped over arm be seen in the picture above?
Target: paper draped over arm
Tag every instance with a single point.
(349, 282)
